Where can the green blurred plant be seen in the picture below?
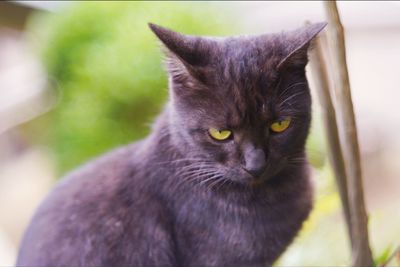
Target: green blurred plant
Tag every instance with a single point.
(107, 67)
(387, 256)
(383, 257)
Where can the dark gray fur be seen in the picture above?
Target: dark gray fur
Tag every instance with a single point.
(180, 198)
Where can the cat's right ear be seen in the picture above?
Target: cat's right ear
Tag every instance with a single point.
(185, 53)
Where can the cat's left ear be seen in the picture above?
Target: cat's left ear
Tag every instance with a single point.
(297, 43)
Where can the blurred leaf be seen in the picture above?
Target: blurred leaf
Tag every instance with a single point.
(384, 256)
(316, 145)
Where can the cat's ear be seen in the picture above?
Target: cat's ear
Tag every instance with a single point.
(297, 43)
(184, 52)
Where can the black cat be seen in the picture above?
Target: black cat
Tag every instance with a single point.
(221, 180)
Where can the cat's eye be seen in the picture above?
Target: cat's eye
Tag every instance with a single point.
(281, 125)
(219, 135)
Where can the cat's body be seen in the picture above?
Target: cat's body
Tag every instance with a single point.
(162, 202)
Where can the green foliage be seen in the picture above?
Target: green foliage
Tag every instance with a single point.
(383, 257)
(316, 145)
(107, 66)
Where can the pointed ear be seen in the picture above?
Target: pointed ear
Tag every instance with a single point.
(190, 49)
(185, 54)
(297, 45)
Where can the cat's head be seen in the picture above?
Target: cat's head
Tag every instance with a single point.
(240, 107)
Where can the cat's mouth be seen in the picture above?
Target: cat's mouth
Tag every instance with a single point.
(242, 176)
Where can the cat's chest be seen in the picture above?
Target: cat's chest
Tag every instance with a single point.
(222, 234)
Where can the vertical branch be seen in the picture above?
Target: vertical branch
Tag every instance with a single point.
(361, 251)
(321, 78)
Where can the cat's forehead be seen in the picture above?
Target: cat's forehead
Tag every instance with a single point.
(261, 43)
(239, 107)
(256, 50)
(242, 60)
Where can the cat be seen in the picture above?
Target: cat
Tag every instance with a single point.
(222, 180)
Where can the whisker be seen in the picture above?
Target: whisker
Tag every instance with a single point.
(193, 177)
(189, 160)
(213, 179)
(290, 97)
(221, 181)
(209, 179)
(289, 87)
(195, 172)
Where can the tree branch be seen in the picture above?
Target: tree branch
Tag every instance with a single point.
(361, 252)
(320, 74)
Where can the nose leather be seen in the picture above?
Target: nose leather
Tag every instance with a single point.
(255, 161)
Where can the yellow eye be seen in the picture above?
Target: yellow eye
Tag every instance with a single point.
(280, 126)
(219, 135)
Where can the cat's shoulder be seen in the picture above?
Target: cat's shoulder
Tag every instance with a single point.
(93, 183)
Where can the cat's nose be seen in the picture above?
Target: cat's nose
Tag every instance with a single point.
(255, 162)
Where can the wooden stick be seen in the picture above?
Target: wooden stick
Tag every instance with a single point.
(320, 74)
(361, 252)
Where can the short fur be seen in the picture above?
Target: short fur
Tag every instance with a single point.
(180, 198)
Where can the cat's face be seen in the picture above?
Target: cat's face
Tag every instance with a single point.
(240, 107)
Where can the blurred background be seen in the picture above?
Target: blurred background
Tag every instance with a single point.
(80, 78)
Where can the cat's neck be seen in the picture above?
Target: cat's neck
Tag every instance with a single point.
(159, 145)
